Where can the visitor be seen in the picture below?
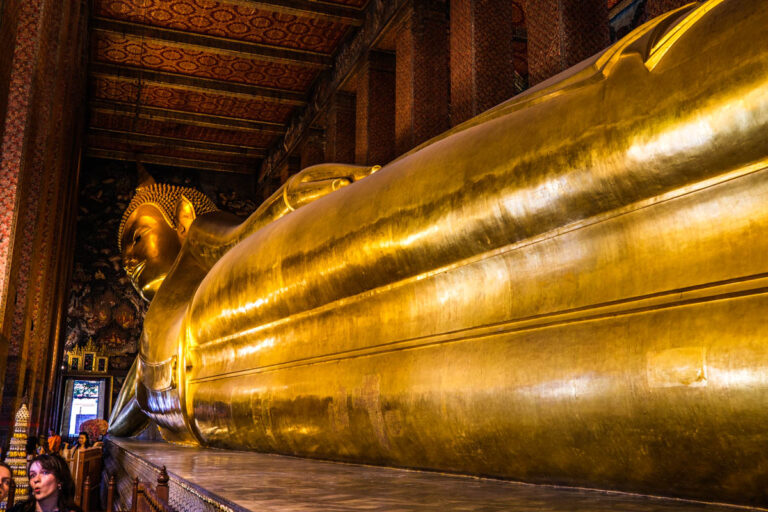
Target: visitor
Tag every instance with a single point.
(42, 445)
(51, 487)
(6, 476)
(54, 442)
(82, 443)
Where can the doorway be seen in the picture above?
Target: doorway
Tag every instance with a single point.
(84, 399)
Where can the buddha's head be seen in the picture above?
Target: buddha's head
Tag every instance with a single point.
(152, 230)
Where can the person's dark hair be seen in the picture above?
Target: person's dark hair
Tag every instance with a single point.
(58, 467)
(87, 439)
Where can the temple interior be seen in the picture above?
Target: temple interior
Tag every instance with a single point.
(387, 255)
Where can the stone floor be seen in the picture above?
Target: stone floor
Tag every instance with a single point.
(264, 482)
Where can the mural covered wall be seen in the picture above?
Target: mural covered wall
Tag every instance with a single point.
(104, 309)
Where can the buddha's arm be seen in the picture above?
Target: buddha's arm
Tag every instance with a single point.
(127, 419)
(212, 235)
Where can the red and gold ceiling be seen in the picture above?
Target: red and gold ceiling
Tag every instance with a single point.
(208, 84)
(213, 84)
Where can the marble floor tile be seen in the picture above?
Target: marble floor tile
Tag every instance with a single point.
(266, 482)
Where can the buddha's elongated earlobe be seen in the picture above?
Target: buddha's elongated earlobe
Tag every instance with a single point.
(185, 215)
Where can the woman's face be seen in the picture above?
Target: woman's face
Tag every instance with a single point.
(5, 482)
(81, 440)
(42, 482)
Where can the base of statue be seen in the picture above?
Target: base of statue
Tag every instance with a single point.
(206, 479)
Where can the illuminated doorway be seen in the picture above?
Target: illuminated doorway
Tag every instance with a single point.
(84, 399)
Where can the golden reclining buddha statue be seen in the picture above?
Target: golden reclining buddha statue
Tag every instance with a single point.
(569, 288)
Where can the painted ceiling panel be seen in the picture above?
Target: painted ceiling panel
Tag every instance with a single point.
(162, 128)
(195, 61)
(178, 79)
(232, 20)
(188, 99)
(230, 72)
(110, 143)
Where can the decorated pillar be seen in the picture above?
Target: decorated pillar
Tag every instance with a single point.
(488, 53)
(313, 148)
(562, 33)
(340, 129)
(291, 166)
(375, 125)
(42, 116)
(655, 8)
(422, 74)
(20, 24)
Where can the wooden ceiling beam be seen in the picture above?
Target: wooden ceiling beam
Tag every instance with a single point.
(201, 41)
(199, 84)
(309, 8)
(176, 116)
(191, 144)
(109, 154)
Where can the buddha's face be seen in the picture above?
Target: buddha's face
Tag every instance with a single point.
(150, 247)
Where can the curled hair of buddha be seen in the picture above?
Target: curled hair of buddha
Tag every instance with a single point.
(166, 198)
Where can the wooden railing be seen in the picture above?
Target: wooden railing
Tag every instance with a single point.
(143, 498)
(86, 472)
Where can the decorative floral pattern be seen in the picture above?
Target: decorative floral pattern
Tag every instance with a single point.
(206, 63)
(231, 20)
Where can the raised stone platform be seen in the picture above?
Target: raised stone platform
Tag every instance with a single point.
(204, 479)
